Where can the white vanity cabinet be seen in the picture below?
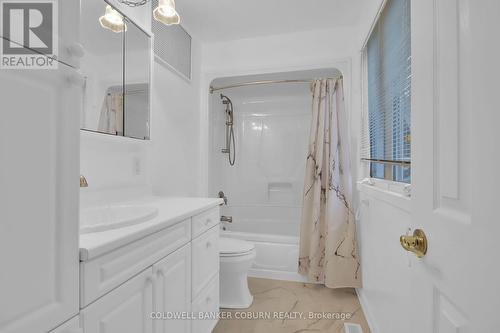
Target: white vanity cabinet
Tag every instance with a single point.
(168, 274)
(172, 291)
(102, 274)
(205, 269)
(125, 309)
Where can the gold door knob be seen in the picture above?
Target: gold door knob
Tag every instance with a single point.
(416, 243)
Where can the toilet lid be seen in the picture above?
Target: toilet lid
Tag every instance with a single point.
(234, 246)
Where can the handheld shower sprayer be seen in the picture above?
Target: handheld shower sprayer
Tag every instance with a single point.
(230, 141)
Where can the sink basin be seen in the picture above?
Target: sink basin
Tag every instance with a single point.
(114, 216)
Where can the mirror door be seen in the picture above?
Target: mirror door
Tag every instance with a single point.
(116, 68)
(137, 70)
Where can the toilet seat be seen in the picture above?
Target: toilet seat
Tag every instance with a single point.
(230, 247)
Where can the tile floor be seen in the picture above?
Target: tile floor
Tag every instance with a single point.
(278, 301)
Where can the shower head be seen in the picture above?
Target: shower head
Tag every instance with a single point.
(230, 141)
(225, 99)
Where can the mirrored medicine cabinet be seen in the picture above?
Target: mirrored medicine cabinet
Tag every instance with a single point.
(117, 73)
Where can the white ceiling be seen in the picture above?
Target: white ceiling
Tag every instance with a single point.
(235, 19)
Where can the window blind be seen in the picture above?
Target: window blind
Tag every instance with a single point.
(386, 143)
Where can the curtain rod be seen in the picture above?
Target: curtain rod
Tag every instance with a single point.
(253, 83)
(382, 161)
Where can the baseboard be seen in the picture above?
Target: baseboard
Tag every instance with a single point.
(366, 310)
(276, 275)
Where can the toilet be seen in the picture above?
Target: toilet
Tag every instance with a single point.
(236, 258)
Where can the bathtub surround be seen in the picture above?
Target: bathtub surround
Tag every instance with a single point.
(264, 193)
(328, 245)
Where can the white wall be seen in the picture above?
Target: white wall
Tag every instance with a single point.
(293, 50)
(108, 161)
(384, 216)
(175, 150)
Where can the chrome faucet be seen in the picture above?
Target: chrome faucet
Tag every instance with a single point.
(223, 197)
(83, 181)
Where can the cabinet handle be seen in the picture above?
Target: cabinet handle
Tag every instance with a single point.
(208, 221)
(209, 300)
(209, 244)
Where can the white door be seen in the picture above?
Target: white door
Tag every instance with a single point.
(39, 171)
(455, 165)
(126, 309)
(172, 291)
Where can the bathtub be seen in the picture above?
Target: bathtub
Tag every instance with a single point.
(277, 255)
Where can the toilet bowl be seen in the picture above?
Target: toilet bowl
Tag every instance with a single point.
(236, 258)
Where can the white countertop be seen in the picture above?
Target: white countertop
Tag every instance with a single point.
(170, 211)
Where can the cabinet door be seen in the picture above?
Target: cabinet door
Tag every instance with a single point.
(39, 194)
(127, 309)
(172, 291)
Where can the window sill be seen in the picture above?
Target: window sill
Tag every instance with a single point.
(392, 193)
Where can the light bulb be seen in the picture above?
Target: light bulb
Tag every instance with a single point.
(112, 20)
(166, 13)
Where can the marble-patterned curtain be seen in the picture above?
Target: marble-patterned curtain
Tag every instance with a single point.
(328, 246)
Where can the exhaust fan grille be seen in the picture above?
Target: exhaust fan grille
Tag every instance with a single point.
(172, 46)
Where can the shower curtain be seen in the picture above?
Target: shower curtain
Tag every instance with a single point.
(328, 247)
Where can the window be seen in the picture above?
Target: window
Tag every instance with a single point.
(387, 137)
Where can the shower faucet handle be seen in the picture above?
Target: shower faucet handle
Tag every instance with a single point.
(223, 197)
(228, 219)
